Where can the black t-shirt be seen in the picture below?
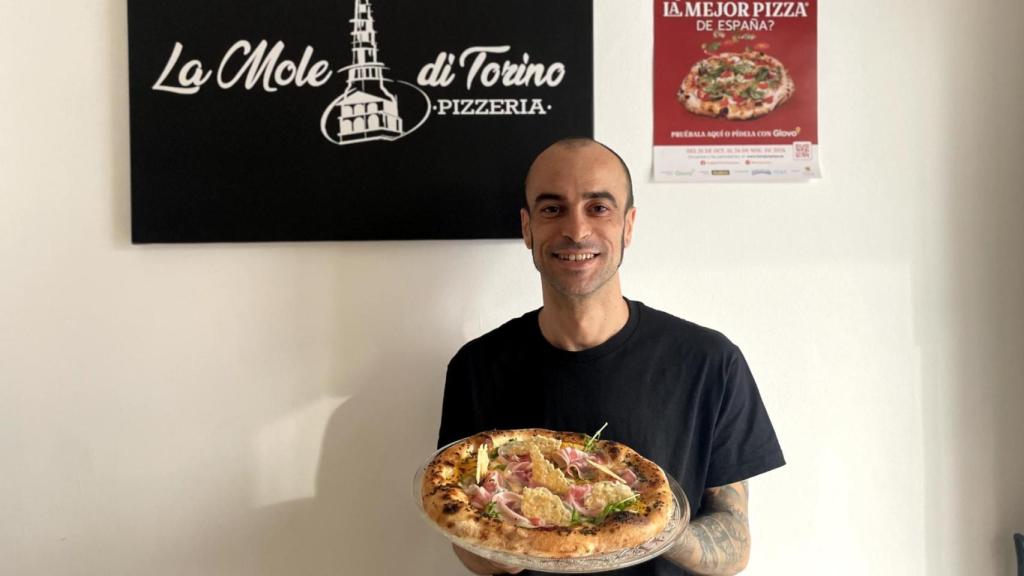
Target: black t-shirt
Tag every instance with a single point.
(678, 393)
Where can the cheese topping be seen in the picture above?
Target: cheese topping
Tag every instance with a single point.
(605, 493)
(541, 503)
(546, 474)
(482, 461)
(524, 487)
(521, 447)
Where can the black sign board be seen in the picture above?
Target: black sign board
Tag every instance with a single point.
(282, 120)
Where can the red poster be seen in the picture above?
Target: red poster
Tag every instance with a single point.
(735, 90)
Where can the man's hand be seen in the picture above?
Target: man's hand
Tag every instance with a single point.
(480, 565)
(717, 542)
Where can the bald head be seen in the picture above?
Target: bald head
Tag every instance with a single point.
(556, 151)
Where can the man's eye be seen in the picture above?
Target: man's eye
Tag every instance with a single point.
(549, 209)
(600, 209)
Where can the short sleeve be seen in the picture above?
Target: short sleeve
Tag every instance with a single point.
(456, 408)
(744, 442)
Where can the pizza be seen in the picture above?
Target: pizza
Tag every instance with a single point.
(736, 85)
(546, 494)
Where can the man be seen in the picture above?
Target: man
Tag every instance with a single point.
(679, 394)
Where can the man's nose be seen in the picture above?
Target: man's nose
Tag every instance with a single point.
(576, 226)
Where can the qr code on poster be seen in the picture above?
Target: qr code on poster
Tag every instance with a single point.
(801, 150)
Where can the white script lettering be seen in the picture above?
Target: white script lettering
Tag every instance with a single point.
(508, 73)
(261, 66)
(190, 77)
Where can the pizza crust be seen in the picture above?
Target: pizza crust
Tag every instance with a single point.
(691, 91)
(447, 503)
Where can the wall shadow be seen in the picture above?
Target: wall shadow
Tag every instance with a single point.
(362, 519)
(973, 276)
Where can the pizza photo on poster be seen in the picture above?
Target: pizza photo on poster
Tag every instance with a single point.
(347, 119)
(735, 87)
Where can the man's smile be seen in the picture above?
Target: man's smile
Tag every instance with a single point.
(576, 256)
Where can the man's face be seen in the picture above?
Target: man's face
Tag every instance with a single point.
(577, 225)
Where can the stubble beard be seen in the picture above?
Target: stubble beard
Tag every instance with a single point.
(571, 292)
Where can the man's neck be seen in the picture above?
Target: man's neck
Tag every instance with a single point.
(576, 324)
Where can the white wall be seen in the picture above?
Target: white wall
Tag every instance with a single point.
(256, 409)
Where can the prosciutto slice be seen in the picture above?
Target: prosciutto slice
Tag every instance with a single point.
(572, 460)
(505, 502)
(506, 459)
(577, 496)
(629, 476)
(518, 474)
(479, 497)
(493, 482)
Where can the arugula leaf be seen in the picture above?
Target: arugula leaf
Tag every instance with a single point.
(715, 91)
(617, 507)
(752, 93)
(592, 440)
(578, 518)
(763, 74)
(714, 46)
(492, 511)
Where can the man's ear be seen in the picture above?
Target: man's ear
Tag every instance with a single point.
(627, 233)
(524, 221)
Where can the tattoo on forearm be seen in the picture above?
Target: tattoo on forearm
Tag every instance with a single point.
(720, 538)
(732, 497)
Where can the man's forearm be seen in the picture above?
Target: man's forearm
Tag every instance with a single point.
(716, 543)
